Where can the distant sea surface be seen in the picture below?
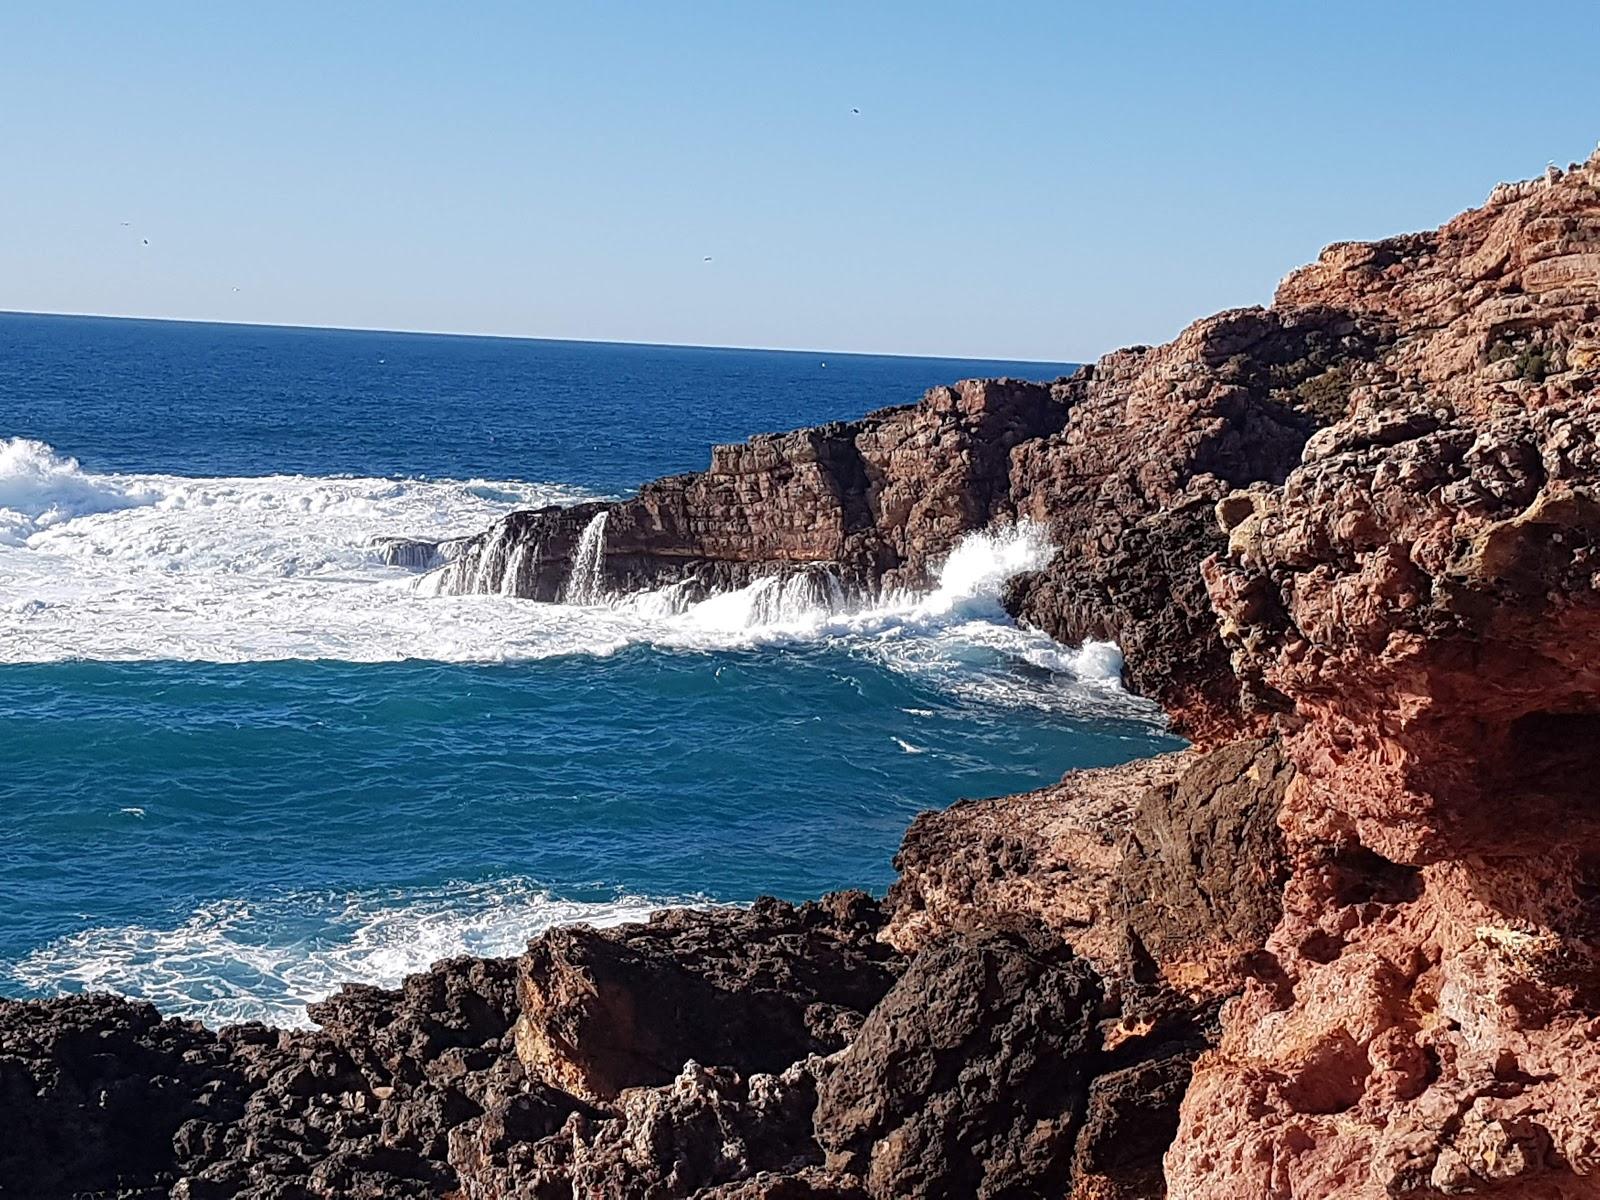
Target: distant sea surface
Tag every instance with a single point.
(242, 760)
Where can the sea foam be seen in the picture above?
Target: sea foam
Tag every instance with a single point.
(250, 569)
(264, 959)
(40, 489)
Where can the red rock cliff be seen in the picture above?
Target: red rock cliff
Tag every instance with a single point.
(1424, 590)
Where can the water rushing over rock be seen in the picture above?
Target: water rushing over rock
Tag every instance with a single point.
(586, 583)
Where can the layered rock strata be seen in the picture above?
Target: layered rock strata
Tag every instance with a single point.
(877, 501)
(1347, 945)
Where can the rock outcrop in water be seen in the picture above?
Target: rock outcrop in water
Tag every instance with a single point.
(1347, 945)
(877, 502)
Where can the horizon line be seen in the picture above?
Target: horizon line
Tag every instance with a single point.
(514, 337)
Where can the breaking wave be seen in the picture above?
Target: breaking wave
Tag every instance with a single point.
(250, 569)
(40, 489)
(264, 960)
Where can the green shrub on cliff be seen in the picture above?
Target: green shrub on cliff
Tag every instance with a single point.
(1327, 395)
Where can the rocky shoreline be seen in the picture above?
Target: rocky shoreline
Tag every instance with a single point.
(1347, 944)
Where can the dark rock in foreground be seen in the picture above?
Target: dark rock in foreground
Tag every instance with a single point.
(970, 1077)
(754, 990)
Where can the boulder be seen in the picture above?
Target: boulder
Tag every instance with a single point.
(750, 989)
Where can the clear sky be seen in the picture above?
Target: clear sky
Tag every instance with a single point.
(1027, 180)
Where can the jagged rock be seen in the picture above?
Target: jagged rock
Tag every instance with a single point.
(754, 990)
(92, 1091)
(968, 1078)
(704, 1130)
(1175, 860)
(1203, 868)
(1153, 438)
(521, 1145)
(366, 1105)
(1130, 1118)
(808, 1183)
(461, 1005)
(1132, 1108)
(1423, 591)
(880, 500)
(1052, 856)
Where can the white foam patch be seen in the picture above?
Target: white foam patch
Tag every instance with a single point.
(239, 960)
(142, 567)
(128, 567)
(957, 637)
(40, 489)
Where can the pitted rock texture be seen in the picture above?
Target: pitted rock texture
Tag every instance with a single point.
(1424, 592)
(93, 1089)
(756, 990)
(363, 1106)
(970, 1076)
(1052, 857)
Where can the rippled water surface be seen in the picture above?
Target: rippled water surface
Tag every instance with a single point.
(241, 759)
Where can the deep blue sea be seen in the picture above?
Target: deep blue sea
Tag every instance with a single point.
(242, 760)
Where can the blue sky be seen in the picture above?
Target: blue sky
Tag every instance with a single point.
(1024, 180)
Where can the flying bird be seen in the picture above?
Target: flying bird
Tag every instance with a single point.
(857, 111)
(707, 258)
(146, 241)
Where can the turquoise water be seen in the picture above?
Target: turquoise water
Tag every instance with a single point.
(241, 760)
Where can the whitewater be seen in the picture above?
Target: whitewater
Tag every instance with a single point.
(130, 567)
(149, 572)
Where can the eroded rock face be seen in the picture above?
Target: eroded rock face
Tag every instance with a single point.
(1203, 868)
(1174, 864)
(1423, 590)
(1153, 439)
(755, 990)
(878, 501)
(1050, 857)
(970, 1076)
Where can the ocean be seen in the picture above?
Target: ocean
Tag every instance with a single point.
(242, 760)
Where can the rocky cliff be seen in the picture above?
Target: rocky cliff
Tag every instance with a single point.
(876, 502)
(1347, 944)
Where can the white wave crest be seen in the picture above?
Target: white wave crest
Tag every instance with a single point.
(140, 567)
(264, 960)
(956, 637)
(40, 489)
